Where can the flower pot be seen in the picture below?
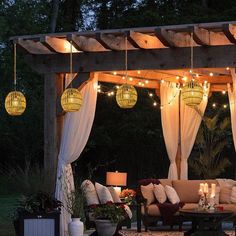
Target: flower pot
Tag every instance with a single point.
(76, 227)
(105, 227)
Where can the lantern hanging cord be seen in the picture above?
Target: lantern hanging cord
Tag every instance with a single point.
(126, 58)
(14, 66)
(191, 38)
(71, 61)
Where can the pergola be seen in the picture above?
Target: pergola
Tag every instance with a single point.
(154, 54)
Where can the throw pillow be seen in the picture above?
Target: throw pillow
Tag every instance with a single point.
(225, 194)
(104, 194)
(233, 195)
(147, 192)
(172, 194)
(159, 192)
(89, 192)
(114, 195)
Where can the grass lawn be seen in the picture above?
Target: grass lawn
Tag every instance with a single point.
(7, 203)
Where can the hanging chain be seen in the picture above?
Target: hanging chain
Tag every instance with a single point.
(71, 61)
(14, 69)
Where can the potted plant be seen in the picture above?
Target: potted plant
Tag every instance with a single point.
(75, 208)
(129, 196)
(36, 206)
(107, 216)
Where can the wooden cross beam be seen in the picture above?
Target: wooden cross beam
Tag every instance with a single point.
(151, 59)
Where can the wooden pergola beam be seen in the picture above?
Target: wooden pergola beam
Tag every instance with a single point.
(201, 36)
(230, 32)
(144, 41)
(57, 44)
(86, 44)
(166, 58)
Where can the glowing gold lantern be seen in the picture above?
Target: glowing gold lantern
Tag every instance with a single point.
(126, 96)
(192, 93)
(15, 103)
(71, 100)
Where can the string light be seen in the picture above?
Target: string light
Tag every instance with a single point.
(224, 92)
(114, 73)
(211, 74)
(130, 79)
(227, 68)
(155, 104)
(146, 81)
(224, 106)
(151, 94)
(177, 77)
(139, 72)
(162, 81)
(214, 105)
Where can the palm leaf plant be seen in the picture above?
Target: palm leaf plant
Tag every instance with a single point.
(213, 138)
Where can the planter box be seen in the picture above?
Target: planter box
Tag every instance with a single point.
(39, 225)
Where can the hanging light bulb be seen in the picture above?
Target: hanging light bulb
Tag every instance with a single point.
(15, 102)
(126, 95)
(192, 91)
(71, 99)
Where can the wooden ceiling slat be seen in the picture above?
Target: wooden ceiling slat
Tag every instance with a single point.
(145, 41)
(33, 47)
(85, 44)
(57, 44)
(230, 32)
(201, 36)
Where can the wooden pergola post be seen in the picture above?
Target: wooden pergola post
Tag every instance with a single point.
(53, 85)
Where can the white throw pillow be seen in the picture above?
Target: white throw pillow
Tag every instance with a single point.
(159, 192)
(104, 194)
(233, 195)
(114, 195)
(172, 195)
(89, 192)
(147, 192)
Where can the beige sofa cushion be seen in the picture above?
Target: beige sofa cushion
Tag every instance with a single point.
(225, 194)
(190, 206)
(159, 192)
(89, 192)
(165, 182)
(188, 189)
(147, 192)
(104, 194)
(152, 210)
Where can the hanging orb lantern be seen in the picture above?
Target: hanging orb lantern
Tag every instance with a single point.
(71, 100)
(15, 103)
(192, 93)
(126, 96)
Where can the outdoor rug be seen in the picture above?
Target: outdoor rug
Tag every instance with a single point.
(159, 233)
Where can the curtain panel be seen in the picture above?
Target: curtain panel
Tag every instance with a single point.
(170, 123)
(76, 131)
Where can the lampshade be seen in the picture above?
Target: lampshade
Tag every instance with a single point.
(192, 93)
(15, 103)
(116, 178)
(126, 96)
(71, 100)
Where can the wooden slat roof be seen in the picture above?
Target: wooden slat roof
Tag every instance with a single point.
(172, 36)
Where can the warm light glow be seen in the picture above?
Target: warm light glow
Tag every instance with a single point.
(185, 78)
(117, 86)
(139, 83)
(67, 46)
(211, 74)
(197, 75)
(116, 178)
(130, 79)
(214, 105)
(123, 77)
(162, 81)
(71, 100)
(118, 190)
(155, 104)
(112, 93)
(151, 94)
(99, 86)
(227, 68)
(146, 81)
(114, 73)
(177, 77)
(223, 92)
(139, 72)
(161, 107)
(225, 106)
(126, 96)
(99, 90)
(15, 103)
(191, 71)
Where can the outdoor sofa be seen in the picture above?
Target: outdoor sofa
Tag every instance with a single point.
(187, 191)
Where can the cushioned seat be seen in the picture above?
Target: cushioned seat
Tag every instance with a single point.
(229, 207)
(190, 206)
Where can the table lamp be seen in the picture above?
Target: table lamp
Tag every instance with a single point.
(116, 179)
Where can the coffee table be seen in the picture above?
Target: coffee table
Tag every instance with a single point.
(205, 223)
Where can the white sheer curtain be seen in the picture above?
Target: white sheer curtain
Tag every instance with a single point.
(170, 123)
(190, 121)
(76, 131)
(232, 101)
